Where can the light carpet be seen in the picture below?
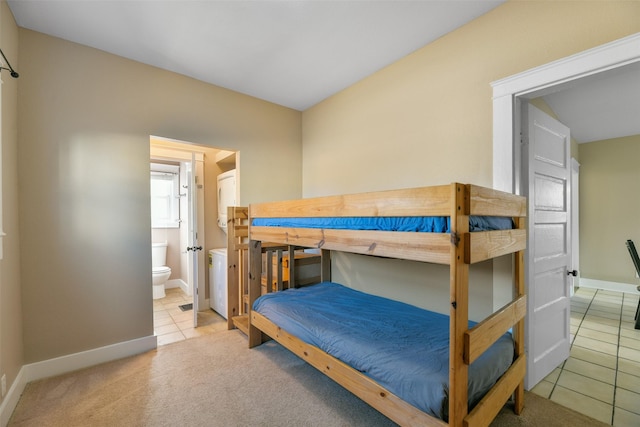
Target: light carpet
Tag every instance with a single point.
(216, 380)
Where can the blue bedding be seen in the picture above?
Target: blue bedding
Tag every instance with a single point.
(427, 224)
(403, 348)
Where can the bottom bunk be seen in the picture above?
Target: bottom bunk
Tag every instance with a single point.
(402, 349)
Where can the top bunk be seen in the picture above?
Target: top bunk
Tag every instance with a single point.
(417, 224)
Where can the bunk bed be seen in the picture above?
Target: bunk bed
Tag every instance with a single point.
(458, 209)
(275, 270)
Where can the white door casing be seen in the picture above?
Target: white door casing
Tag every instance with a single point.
(575, 223)
(546, 182)
(190, 159)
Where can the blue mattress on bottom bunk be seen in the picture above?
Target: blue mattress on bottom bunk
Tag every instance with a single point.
(403, 348)
(426, 224)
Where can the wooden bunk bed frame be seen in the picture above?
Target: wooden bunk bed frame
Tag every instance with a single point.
(280, 266)
(458, 249)
(237, 267)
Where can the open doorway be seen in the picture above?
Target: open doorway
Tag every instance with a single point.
(184, 228)
(536, 83)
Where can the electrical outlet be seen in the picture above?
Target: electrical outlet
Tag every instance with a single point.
(3, 380)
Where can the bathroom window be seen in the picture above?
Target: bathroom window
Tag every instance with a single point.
(165, 196)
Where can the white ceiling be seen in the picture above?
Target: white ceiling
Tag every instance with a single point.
(603, 106)
(296, 53)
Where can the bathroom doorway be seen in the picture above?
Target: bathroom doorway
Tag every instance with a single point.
(185, 311)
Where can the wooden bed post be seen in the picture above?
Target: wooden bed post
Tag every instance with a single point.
(292, 267)
(233, 269)
(255, 288)
(518, 335)
(459, 310)
(279, 278)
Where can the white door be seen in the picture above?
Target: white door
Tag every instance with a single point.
(547, 185)
(193, 249)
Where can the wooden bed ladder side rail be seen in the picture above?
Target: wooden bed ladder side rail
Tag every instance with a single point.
(237, 235)
(459, 309)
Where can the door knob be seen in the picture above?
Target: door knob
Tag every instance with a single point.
(194, 248)
(573, 273)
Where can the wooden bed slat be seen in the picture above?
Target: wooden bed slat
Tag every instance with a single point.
(425, 201)
(484, 245)
(479, 338)
(362, 386)
(487, 409)
(427, 247)
(489, 202)
(241, 231)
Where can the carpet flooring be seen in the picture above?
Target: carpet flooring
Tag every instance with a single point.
(215, 380)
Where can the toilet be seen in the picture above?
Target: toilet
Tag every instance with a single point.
(160, 272)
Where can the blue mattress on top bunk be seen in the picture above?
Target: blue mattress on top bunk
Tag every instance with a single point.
(403, 348)
(426, 224)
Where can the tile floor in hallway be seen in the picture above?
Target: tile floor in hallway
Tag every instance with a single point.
(601, 378)
(171, 324)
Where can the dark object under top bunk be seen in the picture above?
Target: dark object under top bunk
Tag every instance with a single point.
(636, 262)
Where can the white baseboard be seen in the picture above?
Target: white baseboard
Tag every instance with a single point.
(69, 363)
(609, 286)
(11, 399)
(178, 283)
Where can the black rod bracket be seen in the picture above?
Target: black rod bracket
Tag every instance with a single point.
(9, 68)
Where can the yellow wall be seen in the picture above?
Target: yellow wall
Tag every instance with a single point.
(11, 348)
(427, 119)
(85, 118)
(609, 208)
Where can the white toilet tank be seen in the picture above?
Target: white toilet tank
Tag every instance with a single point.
(158, 254)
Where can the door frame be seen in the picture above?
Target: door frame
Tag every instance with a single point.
(508, 93)
(539, 81)
(186, 152)
(507, 96)
(575, 222)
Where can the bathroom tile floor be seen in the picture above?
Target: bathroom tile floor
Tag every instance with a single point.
(601, 377)
(170, 324)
